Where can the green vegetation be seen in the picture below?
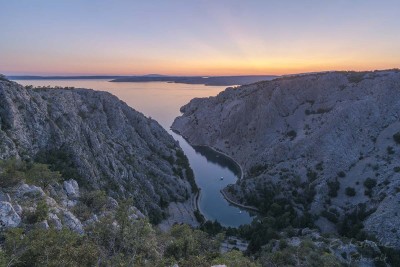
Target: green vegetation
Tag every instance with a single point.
(48, 248)
(15, 171)
(183, 163)
(369, 183)
(3, 78)
(355, 77)
(257, 170)
(306, 254)
(350, 191)
(40, 214)
(118, 241)
(61, 160)
(234, 258)
(291, 134)
(90, 202)
(396, 137)
(334, 187)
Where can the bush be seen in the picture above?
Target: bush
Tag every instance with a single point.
(341, 174)
(40, 214)
(390, 150)
(396, 137)
(292, 134)
(355, 77)
(49, 248)
(350, 191)
(257, 170)
(40, 174)
(370, 183)
(95, 200)
(12, 172)
(333, 188)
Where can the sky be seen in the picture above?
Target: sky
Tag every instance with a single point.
(197, 37)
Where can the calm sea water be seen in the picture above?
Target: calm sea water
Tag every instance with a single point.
(162, 102)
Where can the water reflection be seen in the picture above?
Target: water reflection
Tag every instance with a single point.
(218, 158)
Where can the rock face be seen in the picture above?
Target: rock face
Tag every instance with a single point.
(94, 138)
(328, 131)
(8, 216)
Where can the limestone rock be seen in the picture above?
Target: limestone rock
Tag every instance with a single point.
(8, 216)
(42, 225)
(4, 197)
(71, 188)
(71, 222)
(311, 131)
(106, 144)
(54, 221)
(29, 191)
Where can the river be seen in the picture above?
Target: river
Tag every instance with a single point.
(162, 101)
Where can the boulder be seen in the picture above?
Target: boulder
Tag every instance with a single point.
(8, 216)
(73, 223)
(71, 188)
(25, 190)
(55, 221)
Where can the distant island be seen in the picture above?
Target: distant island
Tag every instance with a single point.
(81, 77)
(211, 80)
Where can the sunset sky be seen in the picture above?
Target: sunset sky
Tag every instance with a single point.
(195, 37)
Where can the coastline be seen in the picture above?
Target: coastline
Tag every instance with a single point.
(225, 195)
(222, 191)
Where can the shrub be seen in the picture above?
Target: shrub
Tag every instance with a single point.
(292, 134)
(49, 248)
(330, 216)
(41, 175)
(3, 78)
(95, 200)
(334, 187)
(396, 137)
(258, 169)
(12, 172)
(350, 191)
(312, 175)
(355, 77)
(40, 214)
(390, 150)
(370, 183)
(341, 174)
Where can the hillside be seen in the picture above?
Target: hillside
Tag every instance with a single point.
(325, 144)
(97, 140)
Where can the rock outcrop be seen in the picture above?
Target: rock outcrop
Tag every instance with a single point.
(96, 139)
(318, 138)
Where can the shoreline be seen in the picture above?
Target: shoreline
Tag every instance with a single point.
(223, 193)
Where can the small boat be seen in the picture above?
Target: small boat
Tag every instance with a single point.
(240, 211)
(222, 178)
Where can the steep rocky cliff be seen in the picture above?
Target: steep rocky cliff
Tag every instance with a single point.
(328, 142)
(96, 139)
